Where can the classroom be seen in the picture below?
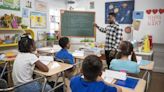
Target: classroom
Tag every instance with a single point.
(81, 45)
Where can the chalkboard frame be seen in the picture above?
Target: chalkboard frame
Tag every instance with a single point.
(62, 12)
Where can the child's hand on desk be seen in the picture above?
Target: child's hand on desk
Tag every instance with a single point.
(36, 53)
(99, 78)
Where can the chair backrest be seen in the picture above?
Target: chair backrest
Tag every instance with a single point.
(62, 60)
(3, 84)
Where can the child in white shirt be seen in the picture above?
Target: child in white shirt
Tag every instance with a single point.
(24, 65)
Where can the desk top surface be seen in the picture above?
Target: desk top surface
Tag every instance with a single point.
(148, 67)
(144, 53)
(50, 50)
(140, 87)
(54, 70)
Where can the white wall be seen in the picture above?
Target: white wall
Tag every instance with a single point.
(156, 31)
(140, 5)
(100, 16)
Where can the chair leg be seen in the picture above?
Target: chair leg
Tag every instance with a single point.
(4, 68)
(44, 84)
(148, 81)
(56, 80)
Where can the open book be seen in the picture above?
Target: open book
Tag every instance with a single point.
(109, 75)
(46, 59)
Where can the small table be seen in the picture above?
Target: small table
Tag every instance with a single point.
(49, 50)
(55, 70)
(148, 69)
(150, 54)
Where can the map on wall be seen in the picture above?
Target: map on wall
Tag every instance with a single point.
(122, 9)
(10, 4)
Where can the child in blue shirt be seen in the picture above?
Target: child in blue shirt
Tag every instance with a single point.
(123, 63)
(91, 80)
(63, 54)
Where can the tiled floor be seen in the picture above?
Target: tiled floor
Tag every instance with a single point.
(157, 83)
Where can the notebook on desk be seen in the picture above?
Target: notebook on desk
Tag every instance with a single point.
(46, 59)
(129, 83)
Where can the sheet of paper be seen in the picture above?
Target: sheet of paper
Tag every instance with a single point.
(2, 56)
(46, 59)
(107, 79)
(56, 47)
(115, 74)
(139, 58)
(78, 53)
(55, 65)
(45, 49)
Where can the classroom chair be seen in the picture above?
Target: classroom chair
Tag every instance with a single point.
(4, 70)
(4, 86)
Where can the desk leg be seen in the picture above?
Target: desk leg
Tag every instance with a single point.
(4, 68)
(148, 80)
(59, 85)
(144, 76)
(56, 81)
(152, 57)
(64, 86)
(10, 83)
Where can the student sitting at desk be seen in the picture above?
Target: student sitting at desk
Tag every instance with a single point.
(91, 80)
(123, 63)
(63, 54)
(24, 66)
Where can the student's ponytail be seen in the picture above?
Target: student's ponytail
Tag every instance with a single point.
(133, 57)
(118, 55)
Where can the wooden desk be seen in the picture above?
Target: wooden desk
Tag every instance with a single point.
(82, 57)
(9, 59)
(49, 50)
(55, 70)
(140, 87)
(148, 67)
(149, 54)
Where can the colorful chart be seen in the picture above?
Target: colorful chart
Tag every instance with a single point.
(122, 9)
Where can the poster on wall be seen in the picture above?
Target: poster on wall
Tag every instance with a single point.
(38, 20)
(10, 4)
(28, 4)
(41, 35)
(122, 9)
(92, 5)
(138, 14)
(25, 12)
(136, 25)
(154, 17)
(40, 5)
(52, 18)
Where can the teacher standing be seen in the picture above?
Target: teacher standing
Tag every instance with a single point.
(113, 36)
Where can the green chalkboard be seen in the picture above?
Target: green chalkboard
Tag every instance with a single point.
(77, 24)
